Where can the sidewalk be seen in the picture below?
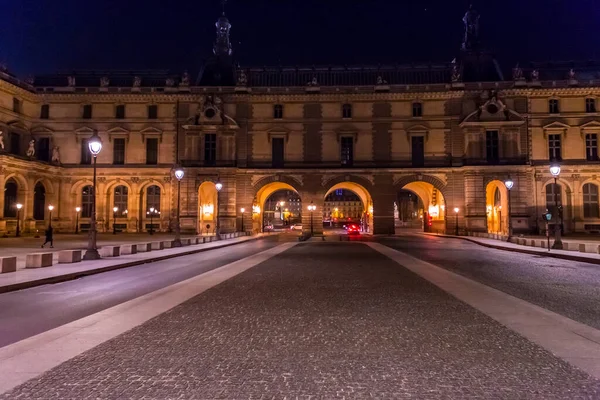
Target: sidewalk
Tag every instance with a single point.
(26, 278)
(571, 255)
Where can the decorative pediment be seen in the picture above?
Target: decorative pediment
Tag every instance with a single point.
(417, 130)
(555, 128)
(118, 132)
(493, 113)
(17, 125)
(211, 116)
(41, 130)
(592, 125)
(347, 131)
(279, 132)
(83, 133)
(151, 132)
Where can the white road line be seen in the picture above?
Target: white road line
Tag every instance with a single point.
(33, 356)
(574, 342)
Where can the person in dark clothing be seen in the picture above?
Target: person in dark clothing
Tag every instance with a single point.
(49, 239)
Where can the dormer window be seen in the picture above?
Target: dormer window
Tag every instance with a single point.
(278, 111)
(590, 105)
(553, 106)
(347, 111)
(417, 109)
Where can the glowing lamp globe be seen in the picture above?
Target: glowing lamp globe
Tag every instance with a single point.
(19, 206)
(456, 210)
(95, 144)
(555, 170)
(179, 174)
(50, 207)
(219, 186)
(509, 184)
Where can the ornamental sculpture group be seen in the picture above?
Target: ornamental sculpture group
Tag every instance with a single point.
(471, 21)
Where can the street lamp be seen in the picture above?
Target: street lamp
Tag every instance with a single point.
(151, 213)
(509, 185)
(456, 210)
(19, 206)
(77, 210)
(115, 209)
(558, 244)
(50, 208)
(179, 173)
(311, 208)
(243, 210)
(95, 146)
(218, 186)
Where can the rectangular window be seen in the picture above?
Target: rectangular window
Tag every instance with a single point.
(554, 148)
(120, 111)
(553, 106)
(43, 149)
(347, 111)
(492, 152)
(590, 105)
(86, 156)
(278, 111)
(591, 147)
(45, 111)
(151, 151)
(16, 105)
(118, 151)
(277, 150)
(590, 201)
(417, 110)
(15, 143)
(418, 151)
(87, 111)
(210, 148)
(347, 150)
(152, 111)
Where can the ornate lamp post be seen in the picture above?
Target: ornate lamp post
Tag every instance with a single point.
(311, 208)
(115, 209)
(50, 208)
(151, 214)
(509, 185)
(77, 210)
(558, 244)
(281, 204)
(218, 186)
(95, 146)
(243, 210)
(456, 210)
(19, 206)
(179, 173)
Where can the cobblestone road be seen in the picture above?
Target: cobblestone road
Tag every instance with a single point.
(320, 321)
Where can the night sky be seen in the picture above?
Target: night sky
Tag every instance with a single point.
(38, 36)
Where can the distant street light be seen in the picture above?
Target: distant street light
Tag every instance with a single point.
(243, 210)
(50, 208)
(153, 211)
(218, 186)
(558, 244)
(115, 209)
(19, 206)
(179, 173)
(77, 210)
(456, 210)
(95, 146)
(509, 185)
(311, 208)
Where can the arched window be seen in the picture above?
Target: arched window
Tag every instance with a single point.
(153, 198)
(39, 202)
(10, 198)
(497, 198)
(120, 201)
(87, 201)
(590, 201)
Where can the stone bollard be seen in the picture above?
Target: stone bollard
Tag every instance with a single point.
(167, 244)
(128, 249)
(8, 264)
(143, 247)
(582, 247)
(543, 243)
(185, 242)
(38, 260)
(157, 246)
(69, 256)
(110, 251)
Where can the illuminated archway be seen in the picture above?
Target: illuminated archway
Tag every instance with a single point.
(496, 207)
(433, 211)
(262, 195)
(366, 213)
(208, 205)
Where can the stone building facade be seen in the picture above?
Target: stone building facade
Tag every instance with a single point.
(450, 133)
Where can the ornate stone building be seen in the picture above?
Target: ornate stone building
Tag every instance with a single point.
(450, 133)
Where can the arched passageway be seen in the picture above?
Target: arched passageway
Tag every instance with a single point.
(276, 204)
(348, 202)
(496, 207)
(424, 201)
(208, 208)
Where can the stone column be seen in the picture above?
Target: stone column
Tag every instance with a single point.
(384, 196)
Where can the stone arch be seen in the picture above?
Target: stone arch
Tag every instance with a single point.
(366, 184)
(21, 181)
(362, 188)
(143, 218)
(424, 186)
(47, 184)
(496, 207)
(263, 189)
(290, 181)
(109, 195)
(434, 181)
(208, 206)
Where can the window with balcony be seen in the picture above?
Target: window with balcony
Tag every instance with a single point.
(119, 151)
(591, 147)
(554, 148)
(278, 111)
(418, 151)
(87, 111)
(347, 111)
(45, 111)
(151, 151)
(152, 111)
(417, 109)
(347, 150)
(590, 105)
(120, 111)
(591, 208)
(553, 106)
(492, 151)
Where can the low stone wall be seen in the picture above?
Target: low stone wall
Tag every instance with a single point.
(541, 243)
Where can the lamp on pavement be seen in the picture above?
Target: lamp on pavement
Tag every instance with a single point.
(456, 210)
(77, 210)
(95, 146)
(558, 244)
(115, 209)
(311, 208)
(218, 186)
(179, 173)
(19, 206)
(243, 210)
(50, 208)
(509, 185)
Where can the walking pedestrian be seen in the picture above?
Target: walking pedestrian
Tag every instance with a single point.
(49, 239)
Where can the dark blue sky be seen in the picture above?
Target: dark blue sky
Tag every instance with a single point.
(46, 36)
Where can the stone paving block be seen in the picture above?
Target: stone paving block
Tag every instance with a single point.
(110, 251)
(69, 256)
(167, 244)
(128, 249)
(157, 246)
(8, 264)
(38, 260)
(143, 247)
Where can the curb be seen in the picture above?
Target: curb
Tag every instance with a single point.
(525, 251)
(76, 275)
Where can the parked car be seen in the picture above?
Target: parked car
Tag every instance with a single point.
(296, 227)
(268, 228)
(353, 229)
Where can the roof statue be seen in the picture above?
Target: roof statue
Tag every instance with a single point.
(222, 44)
(471, 21)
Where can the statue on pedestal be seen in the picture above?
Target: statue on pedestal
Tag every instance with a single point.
(471, 21)
(137, 81)
(31, 149)
(55, 155)
(1, 141)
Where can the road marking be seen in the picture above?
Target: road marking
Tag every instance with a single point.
(574, 342)
(35, 355)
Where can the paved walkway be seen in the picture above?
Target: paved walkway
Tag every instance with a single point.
(330, 320)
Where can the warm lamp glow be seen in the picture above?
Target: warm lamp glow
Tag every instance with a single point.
(456, 210)
(509, 183)
(218, 186)
(50, 207)
(256, 209)
(208, 209)
(434, 211)
(243, 210)
(95, 144)
(19, 206)
(179, 174)
(555, 170)
(77, 209)
(115, 209)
